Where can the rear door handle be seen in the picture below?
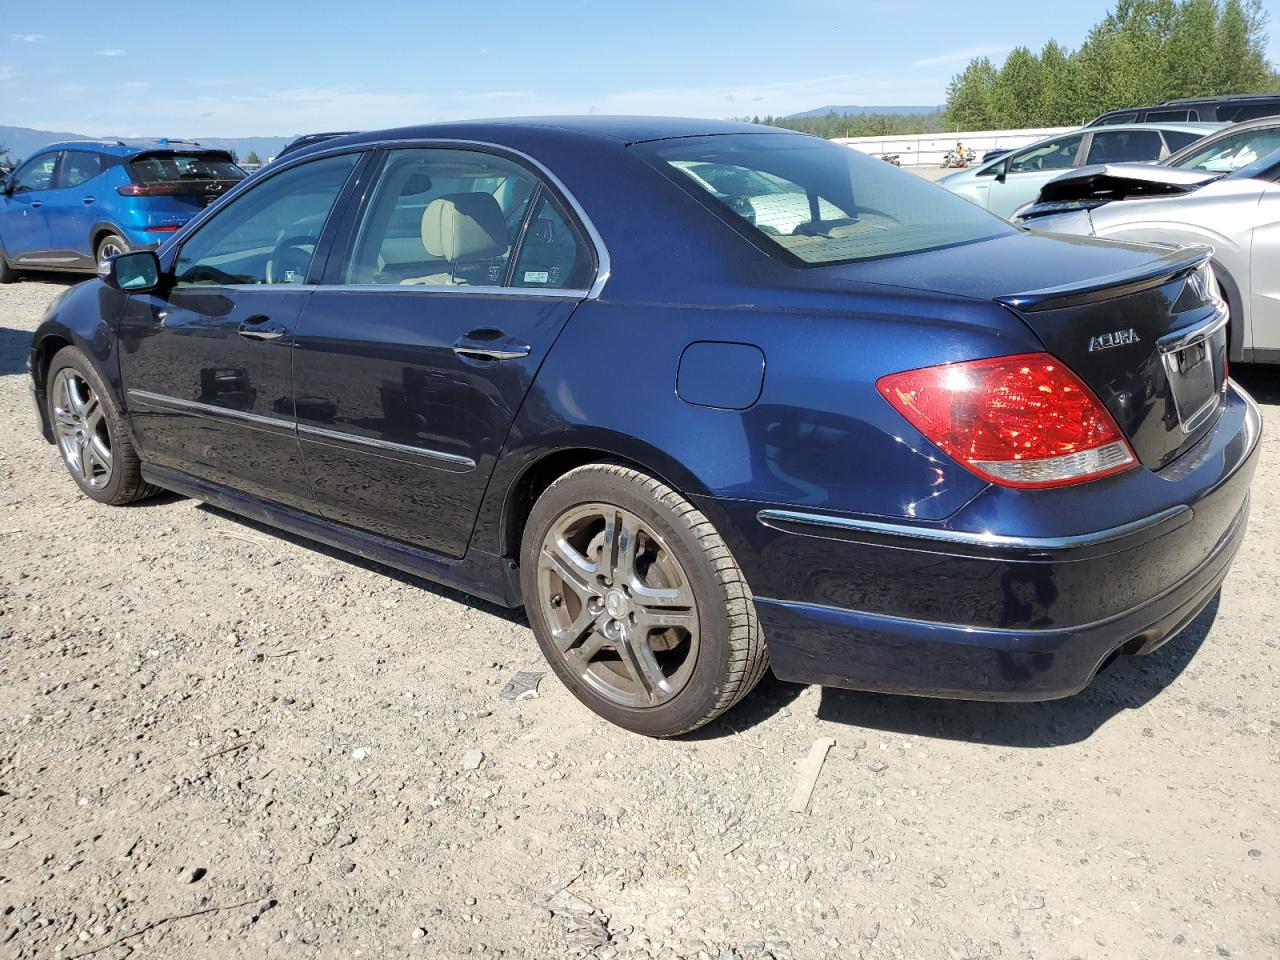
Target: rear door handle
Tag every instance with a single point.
(256, 328)
(90, 199)
(36, 203)
(490, 345)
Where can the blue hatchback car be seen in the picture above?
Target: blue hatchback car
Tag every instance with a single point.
(702, 397)
(72, 205)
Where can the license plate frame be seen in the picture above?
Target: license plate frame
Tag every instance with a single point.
(1195, 365)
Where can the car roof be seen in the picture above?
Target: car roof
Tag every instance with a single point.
(1221, 98)
(620, 129)
(128, 148)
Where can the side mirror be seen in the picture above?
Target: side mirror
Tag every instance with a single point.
(137, 272)
(1002, 169)
(7, 190)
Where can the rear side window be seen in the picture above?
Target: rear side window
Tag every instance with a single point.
(1122, 146)
(1254, 111)
(441, 218)
(79, 166)
(553, 254)
(1117, 118)
(168, 167)
(1168, 116)
(1177, 139)
(815, 202)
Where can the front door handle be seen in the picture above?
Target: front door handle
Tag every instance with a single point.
(36, 203)
(90, 199)
(256, 328)
(490, 345)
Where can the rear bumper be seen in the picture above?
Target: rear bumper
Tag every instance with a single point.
(937, 611)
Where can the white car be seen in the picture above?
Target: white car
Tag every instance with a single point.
(1223, 192)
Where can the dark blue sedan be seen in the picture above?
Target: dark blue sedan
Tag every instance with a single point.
(703, 397)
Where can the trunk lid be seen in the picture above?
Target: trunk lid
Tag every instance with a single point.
(1137, 323)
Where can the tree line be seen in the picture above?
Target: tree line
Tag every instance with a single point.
(1143, 52)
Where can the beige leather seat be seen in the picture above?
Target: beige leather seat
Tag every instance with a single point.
(461, 229)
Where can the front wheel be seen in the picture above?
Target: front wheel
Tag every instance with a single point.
(90, 434)
(7, 273)
(637, 603)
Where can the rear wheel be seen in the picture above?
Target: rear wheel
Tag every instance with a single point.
(90, 434)
(637, 603)
(111, 245)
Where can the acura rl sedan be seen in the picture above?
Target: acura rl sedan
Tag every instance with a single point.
(702, 397)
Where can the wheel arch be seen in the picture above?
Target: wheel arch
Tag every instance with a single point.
(99, 230)
(1237, 307)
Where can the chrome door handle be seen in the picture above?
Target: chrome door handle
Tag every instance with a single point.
(490, 345)
(90, 199)
(251, 334)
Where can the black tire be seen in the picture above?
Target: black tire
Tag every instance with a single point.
(121, 482)
(7, 273)
(728, 655)
(109, 242)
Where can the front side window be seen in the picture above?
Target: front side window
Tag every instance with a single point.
(441, 218)
(1125, 146)
(35, 174)
(1057, 154)
(269, 234)
(1117, 118)
(817, 202)
(79, 167)
(1233, 152)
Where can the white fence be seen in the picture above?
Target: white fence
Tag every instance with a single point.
(928, 149)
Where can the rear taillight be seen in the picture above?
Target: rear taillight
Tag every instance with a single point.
(145, 189)
(1020, 421)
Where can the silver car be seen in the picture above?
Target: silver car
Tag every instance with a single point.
(1223, 191)
(1004, 184)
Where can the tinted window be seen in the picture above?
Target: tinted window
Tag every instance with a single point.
(162, 167)
(1168, 116)
(79, 167)
(817, 201)
(35, 174)
(1117, 118)
(1120, 146)
(553, 255)
(1177, 139)
(1232, 152)
(441, 218)
(1057, 154)
(269, 234)
(1254, 111)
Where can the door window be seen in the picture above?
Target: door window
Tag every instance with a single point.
(1231, 153)
(269, 234)
(1168, 116)
(1057, 154)
(1121, 146)
(441, 218)
(80, 167)
(35, 174)
(552, 254)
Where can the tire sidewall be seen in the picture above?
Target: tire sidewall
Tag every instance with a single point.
(74, 359)
(688, 708)
(120, 242)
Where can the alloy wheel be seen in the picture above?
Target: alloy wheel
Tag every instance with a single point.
(81, 425)
(106, 252)
(620, 605)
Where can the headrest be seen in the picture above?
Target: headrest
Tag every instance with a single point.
(464, 226)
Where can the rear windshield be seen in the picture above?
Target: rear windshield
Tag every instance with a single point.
(816, 202)
(161, 167)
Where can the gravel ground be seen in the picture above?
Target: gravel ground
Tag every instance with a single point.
(218, 741)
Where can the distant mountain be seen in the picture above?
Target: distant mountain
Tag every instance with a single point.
(23, 141)
(857, 111)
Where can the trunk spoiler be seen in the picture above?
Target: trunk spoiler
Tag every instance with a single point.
(1171, 263)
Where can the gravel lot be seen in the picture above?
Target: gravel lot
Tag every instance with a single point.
(219, 741)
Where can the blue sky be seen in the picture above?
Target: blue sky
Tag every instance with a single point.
(278, 68)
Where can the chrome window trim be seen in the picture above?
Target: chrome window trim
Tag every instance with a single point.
(264, 287)
(419, 288)
(967, 538)
(275, 423)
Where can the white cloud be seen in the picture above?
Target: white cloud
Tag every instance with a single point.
(7, 72)
(27, 37)
(959, 57)
(110, 52)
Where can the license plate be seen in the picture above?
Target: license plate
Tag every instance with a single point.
(1194, 364)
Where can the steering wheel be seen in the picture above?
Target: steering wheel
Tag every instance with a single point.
(290, 259)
